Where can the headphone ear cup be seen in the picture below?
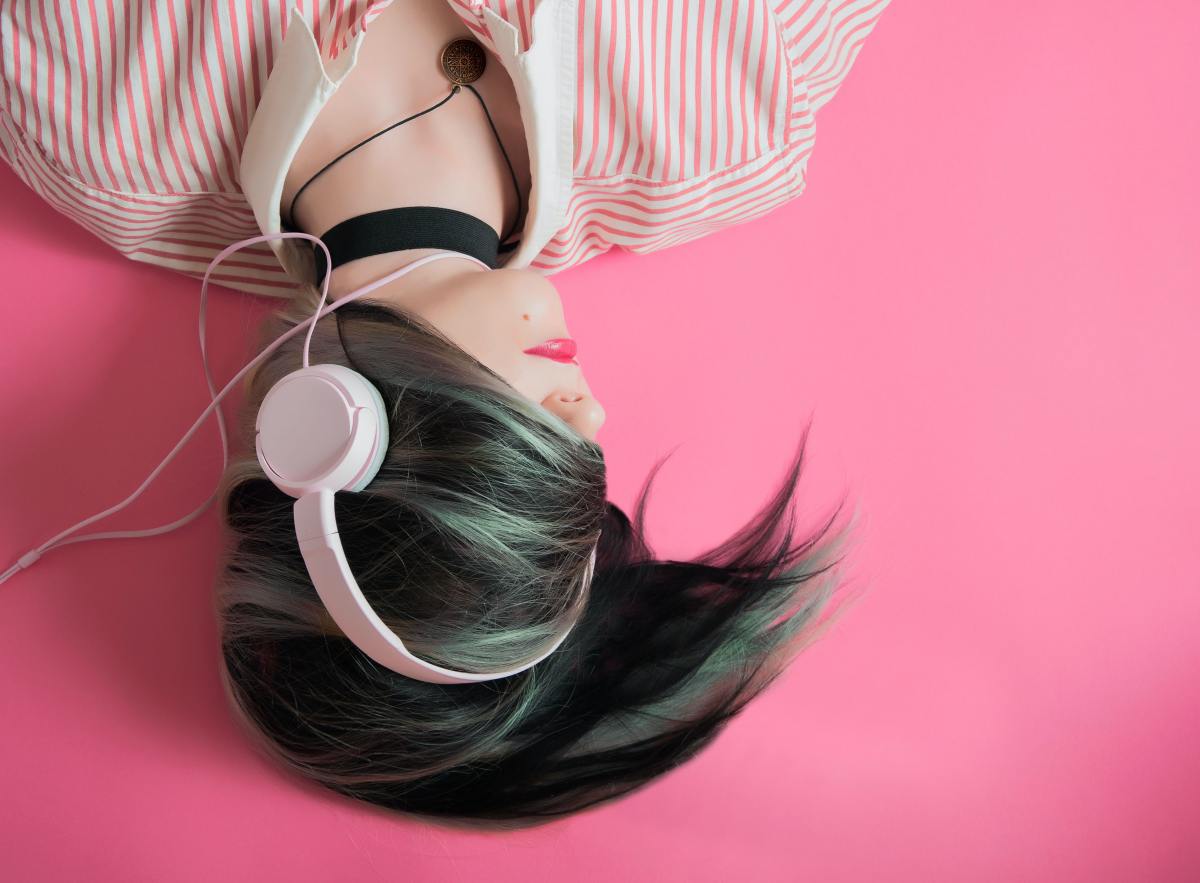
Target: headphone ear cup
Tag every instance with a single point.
(321, 428)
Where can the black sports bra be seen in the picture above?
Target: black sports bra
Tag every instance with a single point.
(411, 226)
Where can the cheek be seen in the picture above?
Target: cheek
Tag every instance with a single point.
(465, 331)
(493, 333)
(518, 369)
(502, 355)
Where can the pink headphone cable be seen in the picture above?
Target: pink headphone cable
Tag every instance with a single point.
(57, 540)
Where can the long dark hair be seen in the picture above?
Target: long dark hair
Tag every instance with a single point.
(469, 544)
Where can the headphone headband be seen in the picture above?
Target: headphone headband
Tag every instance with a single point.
(323, 429)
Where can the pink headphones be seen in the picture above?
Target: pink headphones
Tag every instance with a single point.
(321, 429)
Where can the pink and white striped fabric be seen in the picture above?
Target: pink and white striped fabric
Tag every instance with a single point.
(129, 116)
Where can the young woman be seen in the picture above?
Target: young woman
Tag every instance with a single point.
(529, 135)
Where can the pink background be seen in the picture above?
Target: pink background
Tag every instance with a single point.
(988, 299)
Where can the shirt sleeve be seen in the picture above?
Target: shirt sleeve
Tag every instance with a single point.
(823, 39)
(118, 137)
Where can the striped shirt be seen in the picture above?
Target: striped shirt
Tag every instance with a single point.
(685, 116)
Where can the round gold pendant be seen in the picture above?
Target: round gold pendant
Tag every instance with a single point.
(463, 61)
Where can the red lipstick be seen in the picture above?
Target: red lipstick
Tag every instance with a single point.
(560, 349)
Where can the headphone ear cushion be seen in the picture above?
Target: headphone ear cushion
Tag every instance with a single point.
(321, 428)
(382, 438)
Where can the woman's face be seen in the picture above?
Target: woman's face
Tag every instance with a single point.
(497, 315)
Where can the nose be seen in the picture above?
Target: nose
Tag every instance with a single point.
(580, 410)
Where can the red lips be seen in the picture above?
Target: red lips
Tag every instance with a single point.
(560, 349)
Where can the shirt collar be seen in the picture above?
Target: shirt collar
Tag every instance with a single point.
(300, 83)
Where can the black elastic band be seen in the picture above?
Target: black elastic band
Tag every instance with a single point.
(410, 226)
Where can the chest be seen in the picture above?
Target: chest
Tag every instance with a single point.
(398, 73)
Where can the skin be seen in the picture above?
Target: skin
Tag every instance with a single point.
(448, 158)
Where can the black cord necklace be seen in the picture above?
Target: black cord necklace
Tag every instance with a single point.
(463, 62)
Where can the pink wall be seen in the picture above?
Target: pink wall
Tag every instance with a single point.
(988, 298)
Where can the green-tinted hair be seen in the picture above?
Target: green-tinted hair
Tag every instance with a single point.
(471, 544)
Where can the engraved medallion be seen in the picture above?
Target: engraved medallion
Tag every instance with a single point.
(463, 61)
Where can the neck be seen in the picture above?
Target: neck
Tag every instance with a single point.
(411, 289)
